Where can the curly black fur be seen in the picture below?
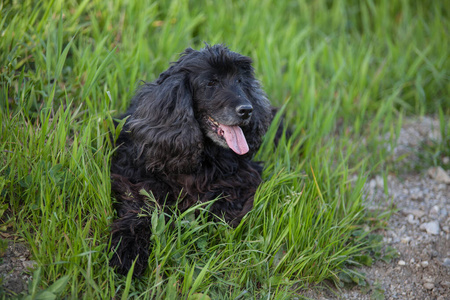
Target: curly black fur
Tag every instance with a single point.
(174, 145)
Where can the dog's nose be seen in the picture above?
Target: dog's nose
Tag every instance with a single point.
(244, 111)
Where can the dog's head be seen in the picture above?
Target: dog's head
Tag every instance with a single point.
(211, 93)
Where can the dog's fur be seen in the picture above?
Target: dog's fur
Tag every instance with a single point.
(174, 146)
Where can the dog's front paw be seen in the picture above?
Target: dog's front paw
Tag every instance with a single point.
(126, 250)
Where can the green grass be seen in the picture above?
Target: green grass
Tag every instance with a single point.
(346, 72)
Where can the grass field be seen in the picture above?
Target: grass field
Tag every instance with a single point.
(346, 73)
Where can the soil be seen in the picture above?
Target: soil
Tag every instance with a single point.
(15, 269)
(418, 230)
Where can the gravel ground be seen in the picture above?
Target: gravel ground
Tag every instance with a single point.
(15, 269)
(418, 230)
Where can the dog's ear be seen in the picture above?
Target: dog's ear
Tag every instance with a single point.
(177, 66)
(163, 126)
(261, 116)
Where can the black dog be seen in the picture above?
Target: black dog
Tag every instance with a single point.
(190, 137)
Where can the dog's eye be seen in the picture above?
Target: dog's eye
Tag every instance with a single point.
(238, 80)
(212, 83)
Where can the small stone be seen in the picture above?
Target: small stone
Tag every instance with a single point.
(412, 260)
(438, 174)
(431, 227)
(428, 285)
(446, 228)
(410, 219)
(366, 228)
(446, 160)
(401, 263)
(434, 210)
(29, 264)
(405, 240)
(416, 195)
(441, 186)
(424, 264)
(379, 182)
(446, 262)
(415, 212)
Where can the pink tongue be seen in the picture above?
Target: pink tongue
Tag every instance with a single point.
(235, 139)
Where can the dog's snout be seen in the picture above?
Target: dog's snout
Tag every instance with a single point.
(244, 111)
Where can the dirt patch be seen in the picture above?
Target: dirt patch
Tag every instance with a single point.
(15, 266)
(418, 230)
